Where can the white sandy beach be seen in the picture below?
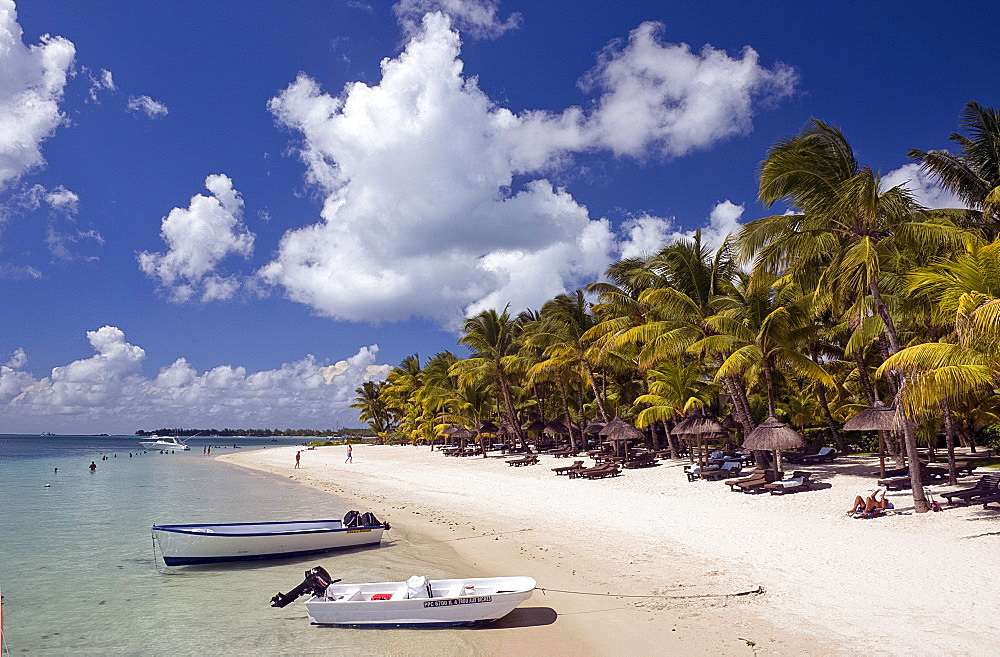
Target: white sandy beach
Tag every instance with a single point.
(899, 585)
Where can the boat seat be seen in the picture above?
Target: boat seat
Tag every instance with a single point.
(400, 593)
(348, 595)
(455, 590)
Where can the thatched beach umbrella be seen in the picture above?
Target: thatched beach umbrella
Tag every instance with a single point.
(593, 427)
(698, 425)
(877, 417)
(555, 427)
(462, 434)
(773, 436)
(487, 427)
(535, 425)
(620, 432)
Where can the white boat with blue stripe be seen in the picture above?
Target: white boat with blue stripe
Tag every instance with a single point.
(417, 602)
(185, 545)
(164, 442)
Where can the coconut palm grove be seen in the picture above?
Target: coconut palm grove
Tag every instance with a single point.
(856, 297)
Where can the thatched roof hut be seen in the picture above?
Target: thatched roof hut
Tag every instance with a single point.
(593, 427)
(878, 417)
(698, 424)
(773, 436)
(618, 429)
(536, 425)
(555, 427)
(487, 427)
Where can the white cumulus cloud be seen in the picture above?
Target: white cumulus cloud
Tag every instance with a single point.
(198, 238)
(32, 80)
(924, 187)
(646, 234)
(151, 108)
(107, 392)
(420, 217)
(477, 18)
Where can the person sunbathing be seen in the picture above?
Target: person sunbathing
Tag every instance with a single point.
(870, 505)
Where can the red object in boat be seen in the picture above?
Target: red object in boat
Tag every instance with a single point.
(382, 596)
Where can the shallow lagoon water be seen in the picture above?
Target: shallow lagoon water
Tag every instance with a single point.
(77, 566)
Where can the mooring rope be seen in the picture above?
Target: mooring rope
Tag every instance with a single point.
(757, 591)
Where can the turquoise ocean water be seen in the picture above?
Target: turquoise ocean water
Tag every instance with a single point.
(78, 574)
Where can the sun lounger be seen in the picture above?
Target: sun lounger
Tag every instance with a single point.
(600, 472)
(642, 461)
(824, 454)
(799, 481)
(565, 470)
(565, 452)
(987, 486)
(798, 456)
(758, 473)
(728, 469)
(527, 460)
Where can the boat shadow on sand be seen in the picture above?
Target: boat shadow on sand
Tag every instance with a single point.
(522, 617)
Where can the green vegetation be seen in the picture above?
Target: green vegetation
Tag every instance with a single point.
(852, 294)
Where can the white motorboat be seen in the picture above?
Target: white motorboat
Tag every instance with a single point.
(185, 545)
(417, 602)
(163, 442)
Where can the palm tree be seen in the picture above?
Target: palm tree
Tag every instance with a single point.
(490, 336)
(759, 330)
(847, 224)
(974, 173)
(676, 388)
(373, 408)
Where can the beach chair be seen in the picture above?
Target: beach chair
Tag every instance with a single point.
(600, 472)
(824, 454)
(986, 487)
(799, 455)
(799, 481)
(641, 461)
(757, 473)
(565, 470)
(531, 459)
(728, 469)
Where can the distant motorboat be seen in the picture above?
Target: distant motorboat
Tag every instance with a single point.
(417, 602)
(163, 442)
(185, 545)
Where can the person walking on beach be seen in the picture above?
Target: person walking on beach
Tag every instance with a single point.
(298, 456)
(93, 466)
(350, 457)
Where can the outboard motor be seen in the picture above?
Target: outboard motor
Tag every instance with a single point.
(368, 519)
(352, 519)
(316, 581)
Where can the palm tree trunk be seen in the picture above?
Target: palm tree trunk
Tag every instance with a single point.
(837, 437)
(671, 441)
(866, 383)
(509, 405)
(597, 395)
(919, 500)
(949, 432)
(772, 407)
(565, 403)
(738, 394)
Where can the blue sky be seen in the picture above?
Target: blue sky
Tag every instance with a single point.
(232, 214)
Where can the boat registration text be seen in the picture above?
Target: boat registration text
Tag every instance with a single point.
(458, 601)
(358, 531)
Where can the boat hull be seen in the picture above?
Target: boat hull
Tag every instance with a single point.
(494, 598)
(186, 545)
